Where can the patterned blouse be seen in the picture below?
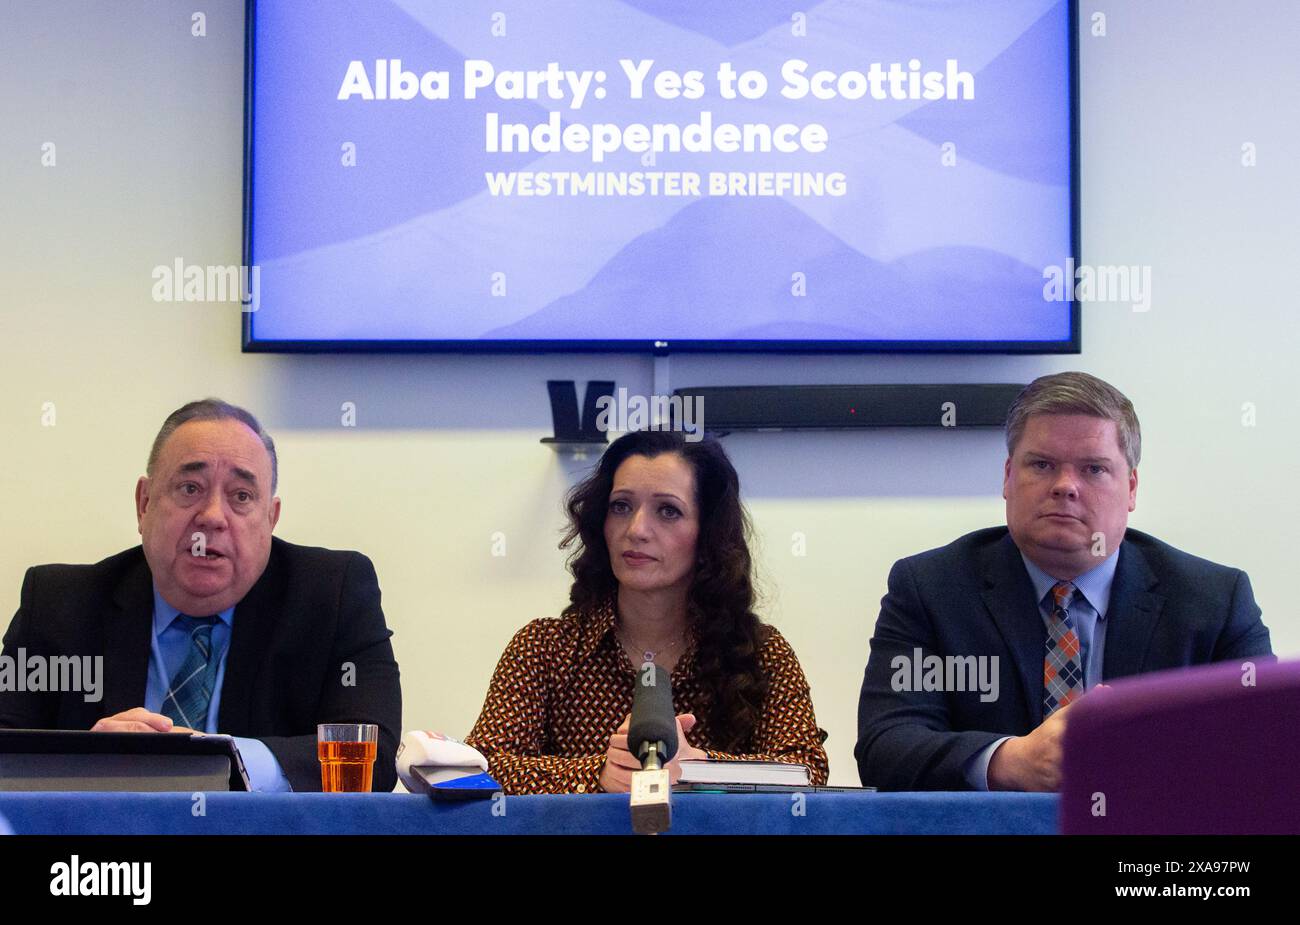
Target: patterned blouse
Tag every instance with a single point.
(564, 685)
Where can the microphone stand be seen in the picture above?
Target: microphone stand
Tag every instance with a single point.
(651, 798)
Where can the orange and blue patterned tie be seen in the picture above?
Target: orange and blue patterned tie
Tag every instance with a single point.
(1063, 666)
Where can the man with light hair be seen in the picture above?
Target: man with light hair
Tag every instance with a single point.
(1064, 597)
(211, 624)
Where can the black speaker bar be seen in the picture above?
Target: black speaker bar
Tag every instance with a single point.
(839, 407)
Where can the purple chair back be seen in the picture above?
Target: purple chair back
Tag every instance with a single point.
(1190, 751)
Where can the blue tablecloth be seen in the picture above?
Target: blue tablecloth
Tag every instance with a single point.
(605, 814)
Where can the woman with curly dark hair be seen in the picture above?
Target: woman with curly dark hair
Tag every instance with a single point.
(662, 573)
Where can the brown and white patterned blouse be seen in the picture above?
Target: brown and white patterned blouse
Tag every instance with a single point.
(564, 685)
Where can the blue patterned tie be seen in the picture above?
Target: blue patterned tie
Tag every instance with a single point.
(190, 690)
(1063, 663)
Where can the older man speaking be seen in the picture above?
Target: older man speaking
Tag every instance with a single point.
(213, 625)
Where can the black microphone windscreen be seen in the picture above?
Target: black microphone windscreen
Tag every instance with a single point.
(653, 717)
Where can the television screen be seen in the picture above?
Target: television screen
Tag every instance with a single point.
(660, 175)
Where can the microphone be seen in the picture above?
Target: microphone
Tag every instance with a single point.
(652, 740)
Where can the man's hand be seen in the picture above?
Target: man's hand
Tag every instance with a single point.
(1031, 762)
(620, 764)
(138, 719)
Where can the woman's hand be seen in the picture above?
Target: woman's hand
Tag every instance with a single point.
(685, 750)
(616, 776)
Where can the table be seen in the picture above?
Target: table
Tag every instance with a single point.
(603, 813)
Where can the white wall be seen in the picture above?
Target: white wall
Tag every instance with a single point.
(147, 123)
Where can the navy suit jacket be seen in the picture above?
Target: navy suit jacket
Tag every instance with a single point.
(974, 597)
(311, 611)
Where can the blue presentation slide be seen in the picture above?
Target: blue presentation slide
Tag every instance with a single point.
(641, 170)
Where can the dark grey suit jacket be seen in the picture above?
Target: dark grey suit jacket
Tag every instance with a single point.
(974, 597)
(312, 611)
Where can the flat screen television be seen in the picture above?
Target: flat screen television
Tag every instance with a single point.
(660, 175)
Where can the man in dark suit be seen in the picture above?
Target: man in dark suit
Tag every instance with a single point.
(212, 625)
(983, 645)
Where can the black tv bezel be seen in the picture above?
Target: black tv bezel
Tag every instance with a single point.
(1073, 345)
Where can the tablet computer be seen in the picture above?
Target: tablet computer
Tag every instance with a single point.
(49, 759)
(698, 787)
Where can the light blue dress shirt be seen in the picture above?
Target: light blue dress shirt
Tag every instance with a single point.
(171, 643)
(1088, 611)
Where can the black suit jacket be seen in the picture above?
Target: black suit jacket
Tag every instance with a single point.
(312, 611)
(974, 597)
